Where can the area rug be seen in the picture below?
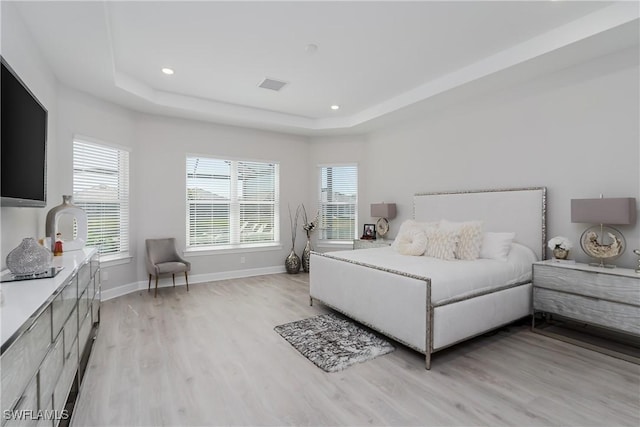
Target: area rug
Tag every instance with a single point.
(332, 342)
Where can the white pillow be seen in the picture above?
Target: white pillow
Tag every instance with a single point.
(470, 238)
(414, 244)
(441, 243)
(496, 245)
(410, 227)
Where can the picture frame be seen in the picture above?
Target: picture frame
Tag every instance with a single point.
(369, 232)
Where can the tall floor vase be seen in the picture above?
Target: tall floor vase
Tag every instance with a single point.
(292, 263)
(306, 256)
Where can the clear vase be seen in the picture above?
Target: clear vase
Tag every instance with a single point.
(29, 258)
(306, 256)
(292, 263)
(559, 253)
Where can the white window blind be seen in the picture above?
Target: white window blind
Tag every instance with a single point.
(338, 202)
(101, 188)
(232, 203)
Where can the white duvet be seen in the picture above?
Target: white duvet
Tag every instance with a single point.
(451, 279)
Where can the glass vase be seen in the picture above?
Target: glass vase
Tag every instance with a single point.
(306, 256)
(292, 263)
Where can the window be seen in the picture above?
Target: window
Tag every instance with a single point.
(232, 203)
(101, 188)
(338, 202)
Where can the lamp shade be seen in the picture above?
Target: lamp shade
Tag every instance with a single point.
(383, 210)
(604, 211)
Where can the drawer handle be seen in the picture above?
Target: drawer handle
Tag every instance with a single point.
(33, 325)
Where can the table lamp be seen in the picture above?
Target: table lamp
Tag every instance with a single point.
(602, 241)
(385, 212)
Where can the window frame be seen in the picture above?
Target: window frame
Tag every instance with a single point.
(123, 255)
(328, 242)
(235, 237)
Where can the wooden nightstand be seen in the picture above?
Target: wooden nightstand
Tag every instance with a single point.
(593, 307)
(365, 244)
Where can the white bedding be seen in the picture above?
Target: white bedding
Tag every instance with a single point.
(451, 279)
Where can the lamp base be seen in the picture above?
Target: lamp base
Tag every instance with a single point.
(601, 265)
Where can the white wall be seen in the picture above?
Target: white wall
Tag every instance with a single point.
(22, 54)
(575, 132)
(84, 115)
(159, 173)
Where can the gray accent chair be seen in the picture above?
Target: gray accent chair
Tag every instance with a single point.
(163, 258)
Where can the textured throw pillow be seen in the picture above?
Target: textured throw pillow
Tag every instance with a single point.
(496, 245)
(469, 238)
(406, 230)
(414, 244)
(441, 243)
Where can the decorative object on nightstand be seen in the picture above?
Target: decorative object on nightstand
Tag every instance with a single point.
(29, 258)
(560, 247)
(308, 227)
(385, 212)
(292, 262)
(637, 252)
(369, 232)
(603, 242)
(67, 208)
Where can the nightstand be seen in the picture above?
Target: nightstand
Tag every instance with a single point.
(593, 307)
(365, 243)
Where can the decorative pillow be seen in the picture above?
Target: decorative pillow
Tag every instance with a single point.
(406, 231)
(470, 237)
(496, 245)
(414, 244)
(441, 243)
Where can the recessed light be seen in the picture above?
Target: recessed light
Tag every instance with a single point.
(335, 107)
(167, 71)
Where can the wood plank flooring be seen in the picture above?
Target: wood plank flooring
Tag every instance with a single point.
(211, 357)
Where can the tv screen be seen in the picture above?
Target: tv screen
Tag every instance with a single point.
(23, 129)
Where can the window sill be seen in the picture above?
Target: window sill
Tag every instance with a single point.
(206, 251)
(113, 260)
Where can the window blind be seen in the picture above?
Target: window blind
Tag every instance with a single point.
(338, 202)
(101, 188)
(232, 203)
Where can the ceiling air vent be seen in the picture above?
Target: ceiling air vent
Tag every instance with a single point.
(272, 84)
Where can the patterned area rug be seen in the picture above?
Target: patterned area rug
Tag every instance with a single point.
(332, 342)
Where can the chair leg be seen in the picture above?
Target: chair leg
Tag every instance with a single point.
(174, 279)
(156, 293)
(149, 287)
(186, 278)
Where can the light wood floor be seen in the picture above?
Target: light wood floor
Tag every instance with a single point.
(211, 357)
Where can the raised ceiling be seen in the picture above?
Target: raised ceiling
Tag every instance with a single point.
(372, 58)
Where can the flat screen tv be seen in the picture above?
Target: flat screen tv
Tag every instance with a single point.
(23, 129)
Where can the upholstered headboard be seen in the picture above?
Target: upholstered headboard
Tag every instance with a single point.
(521, 210)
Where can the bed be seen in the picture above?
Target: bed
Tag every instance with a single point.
(430, 304)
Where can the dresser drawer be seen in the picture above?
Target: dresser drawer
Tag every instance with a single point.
(70, 334)
(63, 386)
(83, 335)
(594, 311)
(26, 410)
(84, 277)
(63, 304)
(24, 357)
(50, 370)
(589, 283)
(83, 304)
(95, 309)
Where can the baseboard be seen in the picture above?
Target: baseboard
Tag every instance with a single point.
(166, 282)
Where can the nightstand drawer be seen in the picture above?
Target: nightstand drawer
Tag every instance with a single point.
(599, 285)
(600, 312)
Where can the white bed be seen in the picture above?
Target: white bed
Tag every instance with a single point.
(430, 304)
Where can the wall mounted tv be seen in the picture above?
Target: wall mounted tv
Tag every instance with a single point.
(23, 124)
